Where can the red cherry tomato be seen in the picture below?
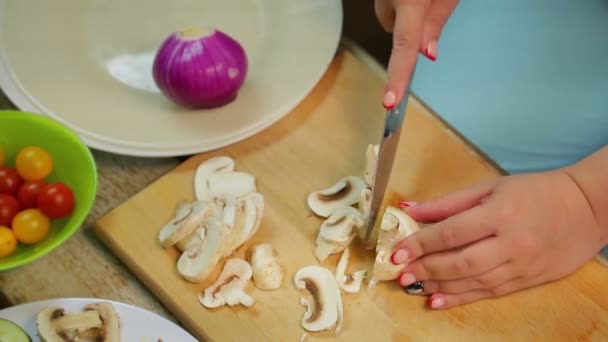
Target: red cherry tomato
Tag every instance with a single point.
(56, 200)
(28, 194)
(10, 182)
(9, 207)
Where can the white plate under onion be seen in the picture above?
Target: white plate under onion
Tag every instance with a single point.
(91, 70)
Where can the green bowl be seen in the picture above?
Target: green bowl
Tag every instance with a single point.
(73, 164)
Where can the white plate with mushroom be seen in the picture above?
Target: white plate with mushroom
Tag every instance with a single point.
(93, 70)
(89, 318)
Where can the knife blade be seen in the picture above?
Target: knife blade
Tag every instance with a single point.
(386, 155)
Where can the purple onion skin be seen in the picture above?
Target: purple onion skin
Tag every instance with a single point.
(200, 72)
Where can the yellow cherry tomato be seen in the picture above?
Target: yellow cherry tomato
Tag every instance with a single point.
(31, 226)
(1, 156)
(33, 163)
(8, 242)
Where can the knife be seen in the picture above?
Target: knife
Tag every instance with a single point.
(386, 155)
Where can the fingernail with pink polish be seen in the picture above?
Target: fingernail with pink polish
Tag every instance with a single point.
(431, 50)
(389, 99)
(436, 303)
(407, 279)
(406, 204)
(400, 256)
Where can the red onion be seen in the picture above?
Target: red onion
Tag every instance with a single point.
(197, 69)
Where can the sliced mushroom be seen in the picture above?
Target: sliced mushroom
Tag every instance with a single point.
(196, 263)
(395, 226)
(98, 322)
(205, 170)
(350, 283)
(343, 193)
(229, 288)
(109, 316)
(182, 210)
(237, 184)
(248, 216)
(365, 202)
(371, 162)
(224, 207)
(337, 232)
(183, 225)
(193, 241)
(365, 205)
(268, 272)
(326, 309)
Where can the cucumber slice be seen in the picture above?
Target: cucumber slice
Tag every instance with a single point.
(11, 332)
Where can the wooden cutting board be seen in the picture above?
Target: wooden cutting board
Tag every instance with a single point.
(322, 140)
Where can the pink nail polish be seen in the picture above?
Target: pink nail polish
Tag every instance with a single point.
(400, 257)
(389, 100)
(406, 204)
(407, 279)
(431, 50)
(436, 303)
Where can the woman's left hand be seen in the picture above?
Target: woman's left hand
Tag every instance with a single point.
(499, 236)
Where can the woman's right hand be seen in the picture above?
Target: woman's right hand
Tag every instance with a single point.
(416, 26)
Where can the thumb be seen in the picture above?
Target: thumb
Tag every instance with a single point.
(453, 203)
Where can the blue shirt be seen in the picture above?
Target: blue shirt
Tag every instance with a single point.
(524, 80)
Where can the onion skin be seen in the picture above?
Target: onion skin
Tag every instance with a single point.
(197, 70)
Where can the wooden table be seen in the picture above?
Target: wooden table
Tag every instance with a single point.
(84, 267)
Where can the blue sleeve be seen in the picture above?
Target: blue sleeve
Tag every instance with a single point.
(526, 81)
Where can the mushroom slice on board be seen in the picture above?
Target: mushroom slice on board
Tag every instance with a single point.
(395, 226)
(371, 161)
(229, 287)
(196, 263)
(182, 210)
(183, 225)
(325, 309)
(349, 283)
(268, 272)
(224, 208)
(194, 241)
(236, 184)
(365, 205)
(345, 192)
(248, 216)
(337, 232)
(205, 170)
(96, 323)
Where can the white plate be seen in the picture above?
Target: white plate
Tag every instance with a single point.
(137, 324)
(87, 64)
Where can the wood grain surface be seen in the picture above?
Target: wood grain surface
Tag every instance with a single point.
(322, 140)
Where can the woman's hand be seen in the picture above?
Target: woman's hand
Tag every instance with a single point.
(498, 237)
(416, 26)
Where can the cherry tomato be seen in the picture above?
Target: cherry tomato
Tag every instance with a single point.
(33, 163)
(9, 207)
(10, 182)
(8, 242)
(31, 226)
(56, 200)
(28, 194)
